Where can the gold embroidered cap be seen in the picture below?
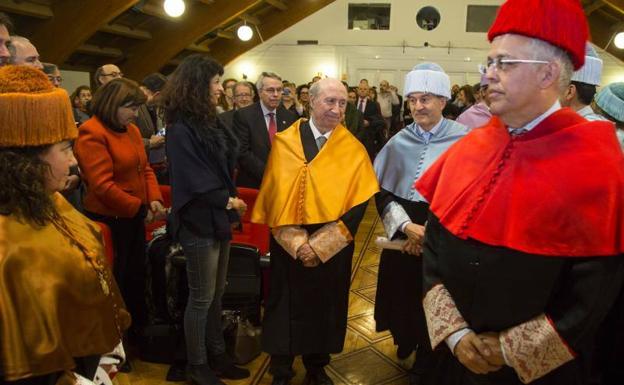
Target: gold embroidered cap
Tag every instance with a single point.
(32, 111)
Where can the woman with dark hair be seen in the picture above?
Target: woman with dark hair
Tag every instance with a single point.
(466, 97)
(202, 155)
(122, 190)
(303, 101)
(226, 100)
(60, 308)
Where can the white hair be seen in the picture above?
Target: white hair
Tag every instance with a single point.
(543, 50)
(260, 81)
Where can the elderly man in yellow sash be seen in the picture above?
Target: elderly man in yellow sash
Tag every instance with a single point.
(314, 193)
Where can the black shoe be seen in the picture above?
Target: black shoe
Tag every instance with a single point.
(403, 352)
(176, 373)
(317, 378)
(280, 381)
(202, 375)
(125, 367)
(224, 367)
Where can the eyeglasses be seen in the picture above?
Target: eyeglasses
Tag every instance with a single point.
(114, 74)
(273, 90)
(502, 64)
(55, 78)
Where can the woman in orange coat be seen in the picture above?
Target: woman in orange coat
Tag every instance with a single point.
(122, 190)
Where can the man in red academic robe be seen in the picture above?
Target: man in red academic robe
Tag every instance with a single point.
(522, 254)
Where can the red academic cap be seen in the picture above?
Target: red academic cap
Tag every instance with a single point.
(561, 23)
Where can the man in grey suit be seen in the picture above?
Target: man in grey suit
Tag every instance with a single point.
(256, 125)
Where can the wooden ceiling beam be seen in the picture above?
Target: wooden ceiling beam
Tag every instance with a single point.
(229, 35)
(597, 4)
(75, 21)
(617, 5)
(250, 19)
(208, 2)
(601, 32)
(38, 11)
(198, 48)
(94, 50)
(168, 40)
(157, 10)
(122, 30)
(277, 4)
(274, 23)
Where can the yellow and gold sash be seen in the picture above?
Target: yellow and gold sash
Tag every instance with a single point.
(295, 192)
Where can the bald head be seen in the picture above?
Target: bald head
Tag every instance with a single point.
(106, 73)
(23, 52)
(328, 101)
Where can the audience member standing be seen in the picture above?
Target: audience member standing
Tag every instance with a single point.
(479, 114)
(23, 52)
(202, 156)
(387, 99)
(256, 126)
(373, 124)
(243, 95)
(81, 101)
(122, 190)
(5, 25)
(106, 73)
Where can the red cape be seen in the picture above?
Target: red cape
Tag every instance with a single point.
(557, 190)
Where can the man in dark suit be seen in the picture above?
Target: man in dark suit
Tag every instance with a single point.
(242, 96)
(256, 125)
(373, 124)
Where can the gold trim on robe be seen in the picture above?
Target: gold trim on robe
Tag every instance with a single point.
(295, 192)
(330, 239)
(534, 348)
(443, 317)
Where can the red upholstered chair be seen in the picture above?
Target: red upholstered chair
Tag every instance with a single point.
(107, 236)
(252, 233)
(165, 191)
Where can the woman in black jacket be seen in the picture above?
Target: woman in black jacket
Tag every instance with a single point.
(201, 155)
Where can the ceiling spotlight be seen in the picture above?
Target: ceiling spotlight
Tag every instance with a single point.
(174, 8)
(619, 40)
(244, 32)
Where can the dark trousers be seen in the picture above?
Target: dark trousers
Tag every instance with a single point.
(281, 365)
(129, 264)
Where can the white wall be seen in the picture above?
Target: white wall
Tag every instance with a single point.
(376, 55)
(74, 79)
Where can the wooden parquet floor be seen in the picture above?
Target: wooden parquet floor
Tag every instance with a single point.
(368, 358)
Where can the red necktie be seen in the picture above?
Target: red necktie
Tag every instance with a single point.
(361, 106)
(272, 126)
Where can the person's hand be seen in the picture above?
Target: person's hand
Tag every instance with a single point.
(157, 210)
(72, 183)
(156, 141)
(308, 256)
(412, 247)
(492, 341)
(415, 232)
(239, 205)
(366, 123)
(149, 217)
(474, 354)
